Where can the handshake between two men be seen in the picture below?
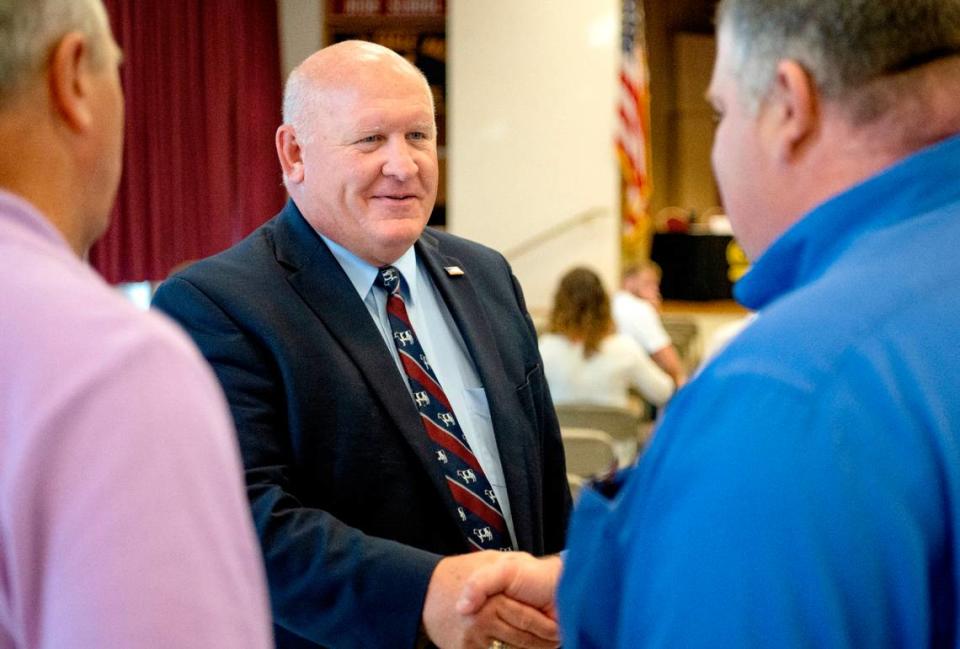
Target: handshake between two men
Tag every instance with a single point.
(504, 599)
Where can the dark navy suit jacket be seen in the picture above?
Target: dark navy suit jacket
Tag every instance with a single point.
(350, 506)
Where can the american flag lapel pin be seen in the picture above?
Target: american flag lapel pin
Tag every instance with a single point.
(453, 271)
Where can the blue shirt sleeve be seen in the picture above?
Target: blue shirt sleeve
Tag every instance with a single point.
(769, 511)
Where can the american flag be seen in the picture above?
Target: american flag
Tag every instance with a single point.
(633, 139)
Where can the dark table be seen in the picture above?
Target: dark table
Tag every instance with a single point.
(695, 266)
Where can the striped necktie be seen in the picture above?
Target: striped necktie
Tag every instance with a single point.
(478, 510)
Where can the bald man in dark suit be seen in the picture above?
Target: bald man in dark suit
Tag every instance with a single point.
(378, 483)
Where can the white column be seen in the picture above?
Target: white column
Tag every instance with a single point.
(532, 89)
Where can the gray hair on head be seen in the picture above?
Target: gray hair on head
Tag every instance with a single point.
(299, 100)
(30, 28)
(845, 45)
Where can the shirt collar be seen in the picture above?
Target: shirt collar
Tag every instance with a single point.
(906, 190)
(362, 274)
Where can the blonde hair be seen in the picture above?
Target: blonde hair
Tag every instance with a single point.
(640, 266)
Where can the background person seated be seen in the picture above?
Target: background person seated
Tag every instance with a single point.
(636, 311)
(585, 359)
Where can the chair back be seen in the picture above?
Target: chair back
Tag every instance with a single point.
(683, 332)
(590, 453)
(619, 423)
(576, 483)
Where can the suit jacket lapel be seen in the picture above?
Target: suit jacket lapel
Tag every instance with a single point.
(514, 445)
(320, 281)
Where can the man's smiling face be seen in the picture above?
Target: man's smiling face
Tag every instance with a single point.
(370, 163)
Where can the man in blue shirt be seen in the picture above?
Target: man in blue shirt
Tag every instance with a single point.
(803, 490)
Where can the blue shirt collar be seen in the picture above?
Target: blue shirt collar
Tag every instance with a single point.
(905, 190)
(362, 274)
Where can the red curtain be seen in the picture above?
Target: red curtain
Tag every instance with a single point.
(203, 95)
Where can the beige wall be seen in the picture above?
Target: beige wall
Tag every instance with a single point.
(531, 99)
(301, 31)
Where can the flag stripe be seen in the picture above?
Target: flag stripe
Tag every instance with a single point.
(632, 138)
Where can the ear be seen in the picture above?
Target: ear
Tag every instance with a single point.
(291, 157)
(793, 108)
(70, 83)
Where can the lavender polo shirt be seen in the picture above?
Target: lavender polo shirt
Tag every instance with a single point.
(123, 521)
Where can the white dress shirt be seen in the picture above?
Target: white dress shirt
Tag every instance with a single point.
(638, 319)
(604, 377)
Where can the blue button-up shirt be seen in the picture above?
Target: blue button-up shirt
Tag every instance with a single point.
(804, 489)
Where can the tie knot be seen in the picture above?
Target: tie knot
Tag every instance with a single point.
(389, 278)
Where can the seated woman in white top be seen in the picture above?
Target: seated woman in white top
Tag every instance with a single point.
(585, 360)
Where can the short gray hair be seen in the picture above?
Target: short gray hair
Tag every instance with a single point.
(300, 99)
(845, 45)
(30, 28)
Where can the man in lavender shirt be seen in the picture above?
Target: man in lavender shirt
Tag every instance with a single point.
(123, 522)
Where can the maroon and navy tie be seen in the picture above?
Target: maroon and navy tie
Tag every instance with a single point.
(477, 507)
